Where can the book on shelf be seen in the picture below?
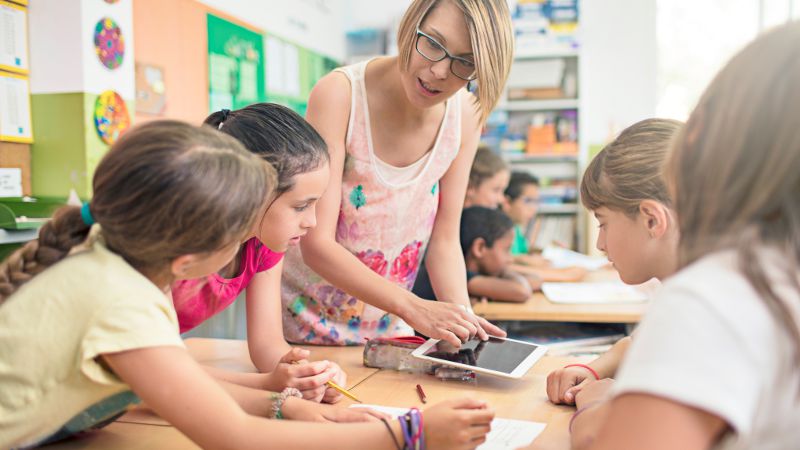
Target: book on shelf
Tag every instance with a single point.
(549, 230)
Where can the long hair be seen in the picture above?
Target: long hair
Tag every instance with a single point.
(491, 35)
(628, 170)
(165, 189)
(735, 168)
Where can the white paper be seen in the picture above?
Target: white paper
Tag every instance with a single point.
(593, 293)
(561, 257)
(505, 434)
(10, 182)
(13, 51)
(15, 109)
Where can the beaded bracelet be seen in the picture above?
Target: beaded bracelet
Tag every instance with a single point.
(279, 399)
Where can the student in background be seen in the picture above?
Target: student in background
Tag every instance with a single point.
(624, 188)
(486, 237)
(521, 204)
(402, 133)
(281, 137)
(488, 179)
(72, 351)
(715, 362)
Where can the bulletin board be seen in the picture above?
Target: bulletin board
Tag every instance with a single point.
(235, 65)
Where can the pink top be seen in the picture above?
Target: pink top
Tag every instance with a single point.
(197, 300)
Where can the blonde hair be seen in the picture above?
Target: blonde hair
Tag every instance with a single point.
(490, 33)
(735, 168)
(628, 170)
(486, 165)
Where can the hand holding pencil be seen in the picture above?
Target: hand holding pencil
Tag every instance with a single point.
(318, 380)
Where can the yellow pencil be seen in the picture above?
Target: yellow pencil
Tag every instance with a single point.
(344, 391)
(333, 385)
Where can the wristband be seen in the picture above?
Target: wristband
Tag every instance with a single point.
(391, 433)
(279, 399)
(581, 410)
(596, 376)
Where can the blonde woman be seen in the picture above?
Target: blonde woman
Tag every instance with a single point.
(716, 361)
(402, 133)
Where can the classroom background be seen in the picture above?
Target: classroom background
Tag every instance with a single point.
(76, 74)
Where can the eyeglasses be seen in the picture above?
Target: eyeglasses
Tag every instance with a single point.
(433, 51)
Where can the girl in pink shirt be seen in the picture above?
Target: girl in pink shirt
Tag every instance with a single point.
(300, 157)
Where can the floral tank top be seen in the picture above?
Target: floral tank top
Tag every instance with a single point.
(385, 225)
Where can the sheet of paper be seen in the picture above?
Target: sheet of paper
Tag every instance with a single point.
(13, 29)
(593, 293)
(15, 108)
(506, 433)
(561, 257)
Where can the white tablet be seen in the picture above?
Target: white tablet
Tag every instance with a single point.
(498, 356)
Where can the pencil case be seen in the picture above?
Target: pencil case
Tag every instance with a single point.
(395, 353)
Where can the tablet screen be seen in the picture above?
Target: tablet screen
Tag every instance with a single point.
(495, 354)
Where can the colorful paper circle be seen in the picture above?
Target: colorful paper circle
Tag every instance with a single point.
(109, 43)
(111, 116)
(111, 2)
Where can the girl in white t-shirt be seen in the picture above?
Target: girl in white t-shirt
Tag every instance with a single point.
(716, 361)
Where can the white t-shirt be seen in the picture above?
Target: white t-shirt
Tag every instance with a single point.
(710, 342)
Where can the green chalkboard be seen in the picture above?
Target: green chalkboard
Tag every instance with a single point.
(235, 65)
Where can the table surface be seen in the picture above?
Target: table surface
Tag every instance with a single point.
(513, 399)
(539, 308)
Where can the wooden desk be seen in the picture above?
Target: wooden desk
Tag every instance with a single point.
(233, 355)
(539, 308)
(514, 399)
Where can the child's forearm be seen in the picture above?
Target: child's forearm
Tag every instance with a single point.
(519, 279)
(585, 426)
(606, 365)
(267, 355)
(249, 380)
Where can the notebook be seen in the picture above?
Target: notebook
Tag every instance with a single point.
(593, 293)
(506, 434)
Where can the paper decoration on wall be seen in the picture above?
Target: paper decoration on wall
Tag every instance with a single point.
(13, 29)
(111, 2)
(235, 65)
(15, 108)
(111, 116)
(109, 43)
(150, 89)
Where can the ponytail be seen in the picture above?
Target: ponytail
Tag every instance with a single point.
(56, 238)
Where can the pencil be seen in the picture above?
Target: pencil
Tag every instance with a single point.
(333, 385)
(421, 394)
(344, 391)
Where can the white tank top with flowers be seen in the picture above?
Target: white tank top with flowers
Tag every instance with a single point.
(385, 223)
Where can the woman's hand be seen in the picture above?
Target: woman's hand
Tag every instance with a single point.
(298, 409)
(449, 322)
(564, 384)
(457, 424)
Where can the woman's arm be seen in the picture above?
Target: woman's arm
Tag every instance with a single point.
(445, 259)
(328, 107)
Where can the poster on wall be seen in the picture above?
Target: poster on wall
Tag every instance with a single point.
(111, 117)
(15, 109)
(235, 65)
(13, 29)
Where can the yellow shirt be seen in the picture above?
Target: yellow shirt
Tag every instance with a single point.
(53, 329)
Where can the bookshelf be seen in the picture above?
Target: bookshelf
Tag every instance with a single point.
(535, 125)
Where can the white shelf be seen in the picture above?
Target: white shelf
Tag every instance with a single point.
(552, 53)
(558, 208)
(539, 105)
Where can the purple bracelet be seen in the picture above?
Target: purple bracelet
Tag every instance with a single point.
(404, 425)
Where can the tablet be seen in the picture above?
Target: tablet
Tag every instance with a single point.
(498, 356)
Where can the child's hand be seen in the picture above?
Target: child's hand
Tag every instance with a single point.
(564, 384)
(308, 377)
(296, 409)
(340, 378)
(594, 392)
(457, 424)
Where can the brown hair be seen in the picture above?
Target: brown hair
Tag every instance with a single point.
(165, 189)
(490, 33)
(735, 168)
(486, 165)
(628, 170)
